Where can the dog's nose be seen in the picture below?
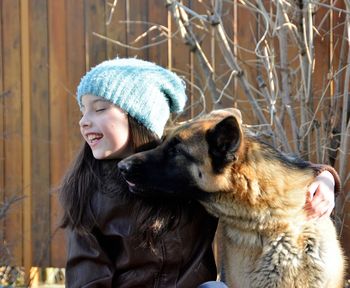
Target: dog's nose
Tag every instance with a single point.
(124, 167)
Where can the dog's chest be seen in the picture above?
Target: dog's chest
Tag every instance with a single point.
(239, 237)
(237, 262)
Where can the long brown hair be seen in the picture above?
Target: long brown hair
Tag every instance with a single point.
(83, 179)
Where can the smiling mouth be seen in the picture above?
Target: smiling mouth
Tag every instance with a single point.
(94, 137)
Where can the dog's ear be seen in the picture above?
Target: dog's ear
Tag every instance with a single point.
(224, 140)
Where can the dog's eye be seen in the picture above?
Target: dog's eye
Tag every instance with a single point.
(173, 151)
(200, 174)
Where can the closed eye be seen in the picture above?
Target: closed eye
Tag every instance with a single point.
(100, 110)
(179, 149)
(191, 158)
(174, 151)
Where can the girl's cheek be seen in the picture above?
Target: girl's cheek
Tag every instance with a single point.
(81, 132)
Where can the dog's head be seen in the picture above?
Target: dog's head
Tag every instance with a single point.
(194, 159)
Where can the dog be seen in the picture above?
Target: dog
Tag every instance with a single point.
(258, 195)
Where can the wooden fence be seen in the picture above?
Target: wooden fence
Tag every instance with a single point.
(45, 48)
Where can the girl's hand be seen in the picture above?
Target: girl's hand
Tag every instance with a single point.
(320, 198)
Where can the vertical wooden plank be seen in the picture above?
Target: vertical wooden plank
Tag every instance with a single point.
(2, 129)
(235, 47)
(246, 38)
(116, 29)
(95, 22)
(336, 88)
(27, 139)
(138, 15)
(222, 70)
(40, 174)
(321, 72)
(205, 38)
(339, 24)
(321, 49)
(179, 61)
(223, 74)
(75, 69)
(158, 17)
(321, 52)
(59, 125)
(13, 125)
(283, 60)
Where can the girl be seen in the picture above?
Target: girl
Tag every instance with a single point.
(114, 238)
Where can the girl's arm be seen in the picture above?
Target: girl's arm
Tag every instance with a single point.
(320, 200)
(87, 264)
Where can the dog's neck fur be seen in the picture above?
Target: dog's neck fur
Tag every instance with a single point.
(257, 178)
(263, 172)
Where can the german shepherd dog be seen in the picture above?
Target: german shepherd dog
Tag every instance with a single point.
(257, 193)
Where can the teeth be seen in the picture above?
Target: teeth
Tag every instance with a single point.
(93, 136)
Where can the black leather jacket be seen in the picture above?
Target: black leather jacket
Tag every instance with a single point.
(111, 257)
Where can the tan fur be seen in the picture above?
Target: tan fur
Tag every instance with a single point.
(267, 239)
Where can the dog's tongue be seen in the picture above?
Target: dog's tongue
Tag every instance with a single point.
(130, 184)
(133, 188)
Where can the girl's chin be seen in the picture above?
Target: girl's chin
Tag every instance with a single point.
(106, 156)
(100, 154)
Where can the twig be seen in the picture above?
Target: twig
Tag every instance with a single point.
(127, 45)
(190, 39)
(331, 7)
(286, 100)
(232, 63)
(233, 73)
(111, 12)
(7, 205)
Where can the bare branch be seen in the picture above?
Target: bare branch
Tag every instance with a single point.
(4, 207)
(190, 39)
(232, 63)
(286, 100)
(111, 12)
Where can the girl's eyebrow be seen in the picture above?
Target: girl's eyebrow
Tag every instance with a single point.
(100, 100)
(95, 101)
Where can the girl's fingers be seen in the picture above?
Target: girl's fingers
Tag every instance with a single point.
(322, 202)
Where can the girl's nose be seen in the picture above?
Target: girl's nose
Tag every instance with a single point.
(84, 121)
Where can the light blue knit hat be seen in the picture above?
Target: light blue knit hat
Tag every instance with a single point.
(146, 91)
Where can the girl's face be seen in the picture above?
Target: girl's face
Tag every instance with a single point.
(105, 128)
